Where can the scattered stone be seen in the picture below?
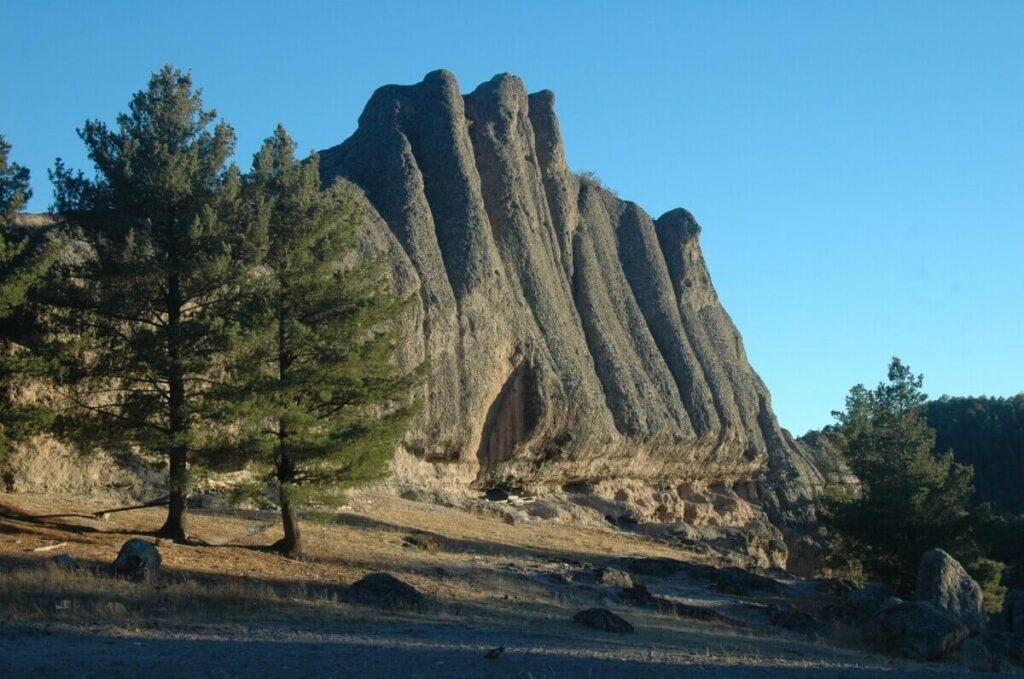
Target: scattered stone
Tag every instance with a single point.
(603, 619)
(65, 562)
(944, 583)
(387, 591)
(138, 560)
(916, 629)
(613, 577)
(494, 653)
(424, 541)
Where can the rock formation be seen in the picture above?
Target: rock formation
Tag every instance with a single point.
(943, 582)
(571, 338)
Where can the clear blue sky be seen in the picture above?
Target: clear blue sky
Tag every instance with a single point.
(858, 167)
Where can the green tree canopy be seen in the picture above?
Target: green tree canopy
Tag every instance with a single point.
(160, 262)
(25, 257)
(988, 434)
(910, 498)
(317, 383)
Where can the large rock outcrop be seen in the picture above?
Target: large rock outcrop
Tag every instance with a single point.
(943, 582)
(572, 339)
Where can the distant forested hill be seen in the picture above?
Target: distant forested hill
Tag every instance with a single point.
(987, 433)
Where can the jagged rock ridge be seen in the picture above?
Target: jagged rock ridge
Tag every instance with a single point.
(571, 337)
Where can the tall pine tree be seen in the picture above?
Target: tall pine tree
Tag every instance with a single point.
(317, 381)
(25, 257)
(910, 498)
(160, 262)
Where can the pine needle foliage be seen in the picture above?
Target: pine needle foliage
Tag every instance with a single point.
(318, 387)
(160, 262)
(911, 498)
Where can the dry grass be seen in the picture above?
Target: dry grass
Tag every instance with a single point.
(487, 575)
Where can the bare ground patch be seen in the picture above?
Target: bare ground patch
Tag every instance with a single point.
(230, 608)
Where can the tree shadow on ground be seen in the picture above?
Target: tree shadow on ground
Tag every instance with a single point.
(394, 651)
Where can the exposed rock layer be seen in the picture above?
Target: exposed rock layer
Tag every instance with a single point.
(571, 337)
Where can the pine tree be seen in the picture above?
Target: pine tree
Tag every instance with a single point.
(316, 378)
(25, 258)
(160, 263)
(910, 498)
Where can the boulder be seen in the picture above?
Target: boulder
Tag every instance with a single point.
(65, 562)
(138, 560)
(916, 630)
(615, 578)
(603, 619)
(386, 591)
(944, 583)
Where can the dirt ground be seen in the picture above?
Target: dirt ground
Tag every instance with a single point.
(228, 608)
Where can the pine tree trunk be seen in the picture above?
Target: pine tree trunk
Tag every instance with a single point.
(291, 544)
(176, 526)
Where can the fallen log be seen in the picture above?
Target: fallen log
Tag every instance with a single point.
(145, 505)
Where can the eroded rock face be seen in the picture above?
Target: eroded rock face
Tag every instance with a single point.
(571, 337)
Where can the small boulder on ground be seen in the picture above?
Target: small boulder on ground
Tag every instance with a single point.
(943, 582)
(138, 560)
(603, 619)
(387, 591)
(917, 630)
(65, 562)
(615, 578)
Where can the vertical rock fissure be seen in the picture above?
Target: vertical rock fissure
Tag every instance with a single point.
(644, 265)
(510, 421)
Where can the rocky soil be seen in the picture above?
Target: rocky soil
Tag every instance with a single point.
(466, 593)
